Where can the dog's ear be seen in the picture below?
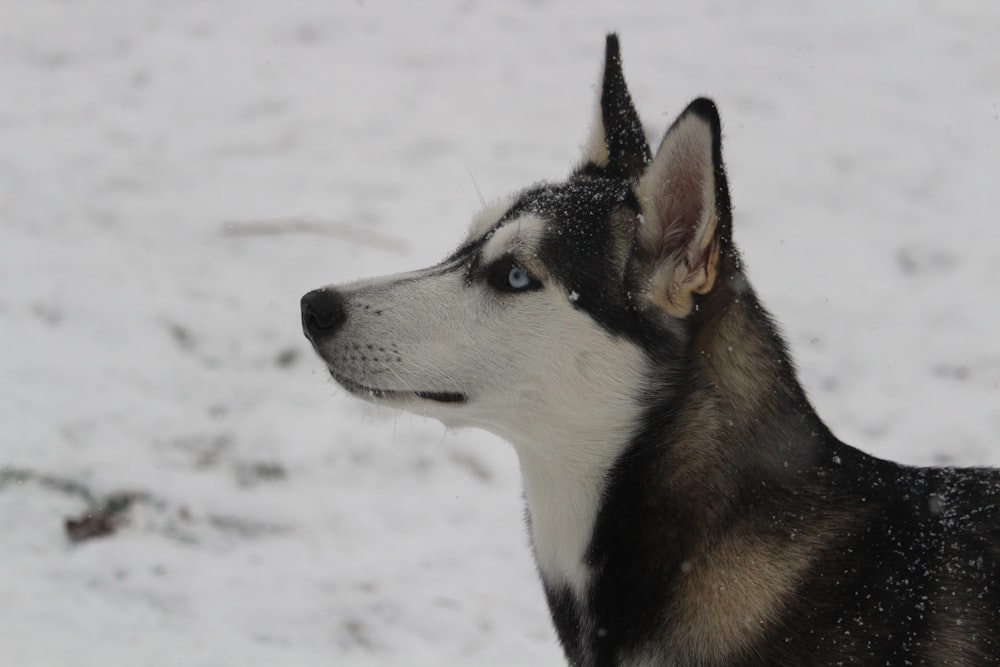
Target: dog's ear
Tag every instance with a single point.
(617, 142)
(684, 202)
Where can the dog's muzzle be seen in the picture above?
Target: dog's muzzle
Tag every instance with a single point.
(323, 312)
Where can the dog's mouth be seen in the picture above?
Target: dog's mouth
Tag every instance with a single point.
(375, 393)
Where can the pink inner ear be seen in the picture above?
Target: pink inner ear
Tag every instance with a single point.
(677, 202)
(678, 249)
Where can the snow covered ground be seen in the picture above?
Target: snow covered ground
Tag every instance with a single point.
(173, 176)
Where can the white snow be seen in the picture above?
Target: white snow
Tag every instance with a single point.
(174, 176)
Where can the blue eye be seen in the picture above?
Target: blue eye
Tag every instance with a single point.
(506, 276)
(517, 278)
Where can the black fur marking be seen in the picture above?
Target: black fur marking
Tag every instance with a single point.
(442, 396)
(575, 249)
(566, 616)
(628, 152)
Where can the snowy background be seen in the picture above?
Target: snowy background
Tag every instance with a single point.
(174, 176)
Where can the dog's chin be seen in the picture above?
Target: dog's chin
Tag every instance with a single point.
(396, 396)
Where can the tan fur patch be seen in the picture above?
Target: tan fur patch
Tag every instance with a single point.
(951, 631)
(737, 586)
(728, 597)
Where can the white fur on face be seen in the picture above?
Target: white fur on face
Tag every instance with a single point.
(520, 238)
(484, 220)
(536, 371)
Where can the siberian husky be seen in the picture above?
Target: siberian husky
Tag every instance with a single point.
(685, 503)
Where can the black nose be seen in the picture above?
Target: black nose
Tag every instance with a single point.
(322, 313)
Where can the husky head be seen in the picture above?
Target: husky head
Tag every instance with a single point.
(566, 301)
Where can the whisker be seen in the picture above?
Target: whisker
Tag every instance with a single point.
(475, 185)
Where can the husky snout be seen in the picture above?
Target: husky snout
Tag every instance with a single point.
(323, 312)
(367, 359)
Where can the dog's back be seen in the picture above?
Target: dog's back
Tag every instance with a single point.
(910, 570)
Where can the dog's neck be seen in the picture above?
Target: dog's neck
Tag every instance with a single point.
(741, 369)
(692, 463)
(562, 506)
(564, 473)
(740, 413)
